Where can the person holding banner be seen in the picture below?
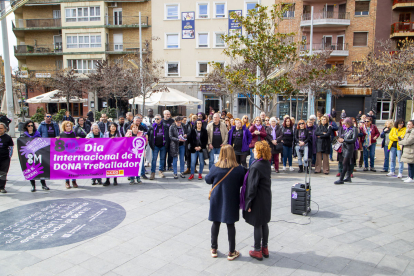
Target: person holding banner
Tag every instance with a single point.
(158, 140)
(95, 133)
(67, 132)
(82, 129)
(177, 145)
(6, 152)
(112, 133)
(31, 132)
(135, 132)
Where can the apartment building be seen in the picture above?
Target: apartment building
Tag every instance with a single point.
(2, 84)
(347, 28)
(56, 34)
(189, 35)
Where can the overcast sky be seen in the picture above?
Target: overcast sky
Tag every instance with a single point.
(12, 40)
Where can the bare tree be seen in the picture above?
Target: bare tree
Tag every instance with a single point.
(388, 70)
(69, 85)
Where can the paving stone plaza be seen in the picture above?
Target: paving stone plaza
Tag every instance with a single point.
(361, 228)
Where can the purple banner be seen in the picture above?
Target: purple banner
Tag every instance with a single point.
(51, 158)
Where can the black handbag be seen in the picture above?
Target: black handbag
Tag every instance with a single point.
(279, 147)
(205, 154)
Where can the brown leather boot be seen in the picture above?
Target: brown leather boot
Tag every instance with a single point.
(74, 184)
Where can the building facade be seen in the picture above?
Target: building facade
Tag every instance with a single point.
(54, 35)
(189, 35)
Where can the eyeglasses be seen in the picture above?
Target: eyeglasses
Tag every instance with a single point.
(48, 116)
(267, 120)
(29, 125)
(301, 123)
(157, 119)
(367, 121)
(139, 118)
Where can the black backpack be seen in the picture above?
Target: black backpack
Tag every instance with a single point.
(5, 120)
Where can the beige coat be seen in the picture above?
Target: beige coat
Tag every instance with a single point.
(223, 130)
(408, 149)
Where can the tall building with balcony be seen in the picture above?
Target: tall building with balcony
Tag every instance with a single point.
(347, 29)
(190, 35)
(57, 34)
(2, 84)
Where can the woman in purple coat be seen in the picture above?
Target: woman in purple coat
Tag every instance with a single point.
(240, 138)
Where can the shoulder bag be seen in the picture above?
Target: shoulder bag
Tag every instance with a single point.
(212, 189)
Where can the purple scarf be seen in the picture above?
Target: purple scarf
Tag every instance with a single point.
(274, 132)
(70, 132)
(243, 189)
(155, 125)
(35, 134)
(259, 127)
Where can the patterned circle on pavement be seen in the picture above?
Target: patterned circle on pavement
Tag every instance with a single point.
(57, 222)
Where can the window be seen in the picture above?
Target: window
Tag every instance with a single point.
(56, 14)
(83, 14)
(83, 41)
(290, 13)
(383, 109)
(173, 69)
(83, 65)
(404, 17)
(171, 12)
(202, 68)
(220, 10)
(250, 5)
(172, 41)
(360, 39)
(218, 40)
(361, 7)
(202, 40)
(357, 68)
(202, 10)
(244, 105)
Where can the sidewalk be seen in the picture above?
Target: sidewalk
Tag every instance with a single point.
(362, 228)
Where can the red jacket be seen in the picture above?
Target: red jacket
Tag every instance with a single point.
(255, 137)
(374, 133)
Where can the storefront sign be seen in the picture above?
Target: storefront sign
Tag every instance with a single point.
(57, 222)
(234, 25)
(188, 25)
(43, 75)
(51, 158)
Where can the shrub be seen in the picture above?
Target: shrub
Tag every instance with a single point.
(39, 116)
(110, 112)
(59, 116)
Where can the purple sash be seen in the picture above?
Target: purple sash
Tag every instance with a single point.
(243, 189)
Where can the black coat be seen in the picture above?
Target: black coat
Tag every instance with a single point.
(174, 141)
(269, 139)
(348, 146)
(78, 130)
(258, 195)
(323, 141)
(102, 126)
(68, 118)
(151, 141)
(90, 116)
(192, 139)
(225, 199)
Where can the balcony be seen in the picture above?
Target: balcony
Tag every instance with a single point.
(402, 4)
(402, 29)
(38, 50)
(326, 19)
(122, 48)
(338, 50)
(59, 1)
(47, 23)
(126, 22)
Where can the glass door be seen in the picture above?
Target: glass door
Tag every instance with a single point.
(117, 16)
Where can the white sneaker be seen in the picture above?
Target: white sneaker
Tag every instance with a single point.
(404, 179)
(291, 169)
(273, 169)
(390, 174)
(399, 175)
(284, 168)
(409, 180)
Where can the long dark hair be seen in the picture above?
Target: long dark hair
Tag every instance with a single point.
(399, 121)
(28, 122)
(290, 121)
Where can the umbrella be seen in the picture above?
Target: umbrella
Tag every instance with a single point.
(15, 103)
(168, 97)
(49, 97)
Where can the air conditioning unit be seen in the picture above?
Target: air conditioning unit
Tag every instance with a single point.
(113, 5)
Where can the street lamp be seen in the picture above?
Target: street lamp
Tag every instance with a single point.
(142, 90)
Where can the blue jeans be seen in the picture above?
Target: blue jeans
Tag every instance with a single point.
(386, 159)
(411, 171)
(396, 153)
(251, 157)
(200, 156)
(212, 152)
(331, 152)
(155, 152)
(181, 151)
(287, 154)
(305, 155)
(371, 152)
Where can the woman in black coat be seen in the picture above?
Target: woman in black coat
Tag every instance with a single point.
(274, 138)
(257, 203)
(348, 139)
(323, 145)
(82, 128)
(225, 198)
(198, 142)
